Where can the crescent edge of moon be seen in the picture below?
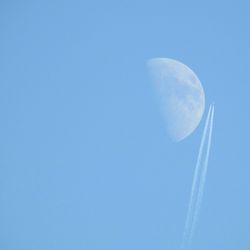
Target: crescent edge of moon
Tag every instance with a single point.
(181, 94)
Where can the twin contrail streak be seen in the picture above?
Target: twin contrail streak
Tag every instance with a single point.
(203, 176)
(192, 201)
(198, 183)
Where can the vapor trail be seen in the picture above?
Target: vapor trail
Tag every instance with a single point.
(191, 207)
(203, 177)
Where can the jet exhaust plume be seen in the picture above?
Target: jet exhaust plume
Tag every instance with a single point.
(203, 177)
(198, 183)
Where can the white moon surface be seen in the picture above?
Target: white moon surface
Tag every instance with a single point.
(182, 96)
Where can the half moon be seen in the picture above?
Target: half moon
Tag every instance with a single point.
(182, 96)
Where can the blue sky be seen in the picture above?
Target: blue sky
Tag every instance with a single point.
(85, 160)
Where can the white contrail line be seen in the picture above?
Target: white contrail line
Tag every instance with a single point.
(203, 177)
(186, 234)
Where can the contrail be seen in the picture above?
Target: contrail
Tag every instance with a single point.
(191, 207)
(203, 177)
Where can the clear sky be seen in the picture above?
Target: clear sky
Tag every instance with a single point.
(85, 160)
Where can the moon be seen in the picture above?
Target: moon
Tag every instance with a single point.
(181, 93)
